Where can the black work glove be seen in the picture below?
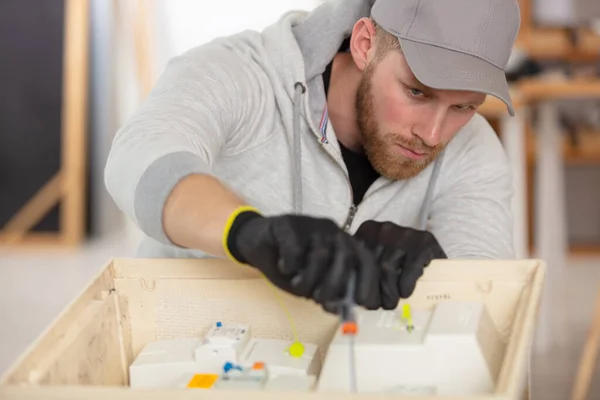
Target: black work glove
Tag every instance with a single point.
(305, 256)
(402, 254)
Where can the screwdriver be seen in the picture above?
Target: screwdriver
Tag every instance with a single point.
(349, 325)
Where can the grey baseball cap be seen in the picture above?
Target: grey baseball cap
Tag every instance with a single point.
(455, 44)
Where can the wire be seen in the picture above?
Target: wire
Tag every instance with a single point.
(352, 364)
(407, 317)
(285, 309)
(350, 328)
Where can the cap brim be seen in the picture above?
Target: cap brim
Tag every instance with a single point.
(445, 69)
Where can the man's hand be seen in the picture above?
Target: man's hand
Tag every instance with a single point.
(308, 257)
(402, 254)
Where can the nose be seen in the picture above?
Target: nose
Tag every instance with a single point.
(429, 130)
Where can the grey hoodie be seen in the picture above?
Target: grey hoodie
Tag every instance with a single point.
(249, 109)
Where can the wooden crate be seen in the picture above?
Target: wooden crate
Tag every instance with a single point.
(86, 351)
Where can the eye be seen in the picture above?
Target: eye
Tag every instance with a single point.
(465, 107)
(415, 92)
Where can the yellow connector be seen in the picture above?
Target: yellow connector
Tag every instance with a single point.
(407, 317)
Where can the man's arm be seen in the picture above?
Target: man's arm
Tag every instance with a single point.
(159, 168)
(189, 207)
(471, 212)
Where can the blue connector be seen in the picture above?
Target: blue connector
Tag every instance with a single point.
(229, 366)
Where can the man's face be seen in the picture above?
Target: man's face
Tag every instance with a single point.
(405, 125)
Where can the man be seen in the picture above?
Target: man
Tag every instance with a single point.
(337, 142)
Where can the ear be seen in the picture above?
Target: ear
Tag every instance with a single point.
(362, 43)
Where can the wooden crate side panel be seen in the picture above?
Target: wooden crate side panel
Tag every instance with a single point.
(206, 268)
(475, 270)
(124, 335)
(451, 270)
(97, 289)
(515, 370)
(116, 393)
(189, 307)
(508, 379)
(88, 353)
(140, 311)
(501, 298)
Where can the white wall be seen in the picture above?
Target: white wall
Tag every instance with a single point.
(189, 23)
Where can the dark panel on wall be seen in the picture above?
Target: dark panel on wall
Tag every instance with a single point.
(31, 49)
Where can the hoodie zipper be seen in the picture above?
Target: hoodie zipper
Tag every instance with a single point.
(354, 208)
(350, 217)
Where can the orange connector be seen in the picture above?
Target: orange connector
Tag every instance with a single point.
(258, 365)
(349, 328)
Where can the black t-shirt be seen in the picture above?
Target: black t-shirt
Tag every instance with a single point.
(361, 172)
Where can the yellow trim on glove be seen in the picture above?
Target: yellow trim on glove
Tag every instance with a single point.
(229, 224)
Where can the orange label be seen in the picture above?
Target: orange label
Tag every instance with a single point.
(202, 381)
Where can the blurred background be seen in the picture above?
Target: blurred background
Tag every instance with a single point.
(72, 71)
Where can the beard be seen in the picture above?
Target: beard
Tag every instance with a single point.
(379, 146)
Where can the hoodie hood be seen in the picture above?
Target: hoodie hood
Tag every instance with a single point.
(320, 35)
(301, 45)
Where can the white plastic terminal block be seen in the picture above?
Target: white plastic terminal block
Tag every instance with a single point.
(453, 349)
(172, 363)
(285, 383)
(162, 363)
(222, 343)
(274, 353)
(243, 378)
(165, 362)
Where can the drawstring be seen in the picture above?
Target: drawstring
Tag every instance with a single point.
(428, 195)
(297, 167)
